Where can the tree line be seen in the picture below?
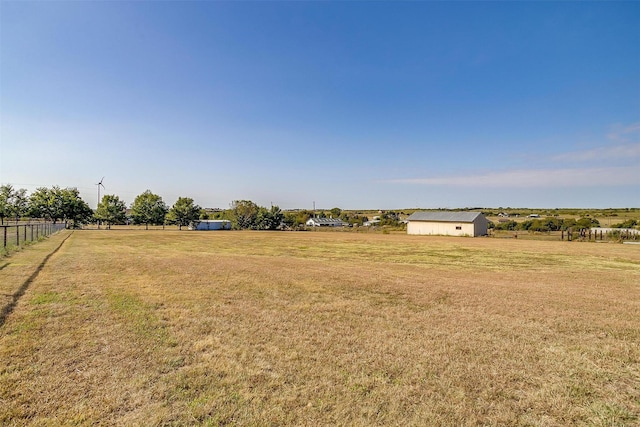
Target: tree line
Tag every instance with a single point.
(52, 204)
(546, 224)
(149, 209)
(57, 204)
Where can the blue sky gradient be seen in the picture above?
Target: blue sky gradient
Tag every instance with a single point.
(360, 105)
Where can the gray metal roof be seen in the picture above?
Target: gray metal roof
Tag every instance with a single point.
(444, 216)
(327, 220)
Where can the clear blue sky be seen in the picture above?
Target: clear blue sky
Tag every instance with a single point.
(351, 104)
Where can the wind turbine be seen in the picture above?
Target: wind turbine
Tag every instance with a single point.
(99, 185)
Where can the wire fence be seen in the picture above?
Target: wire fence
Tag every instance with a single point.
(17, 235)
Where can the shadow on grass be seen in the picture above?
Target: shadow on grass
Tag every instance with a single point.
(6, 310)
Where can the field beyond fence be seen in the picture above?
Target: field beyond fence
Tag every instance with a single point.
(143, 327)
(17, 235)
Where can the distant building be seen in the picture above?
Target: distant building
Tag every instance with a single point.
(447, 223)
(325, 222)
(211, 224)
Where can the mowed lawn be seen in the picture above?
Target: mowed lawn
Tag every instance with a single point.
(318, 328)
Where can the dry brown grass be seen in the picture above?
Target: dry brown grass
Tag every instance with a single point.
(259, 328)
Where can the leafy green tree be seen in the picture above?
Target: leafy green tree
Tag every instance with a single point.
(554, 223)
(538, 225)
(226, 214)
(245, 214)
(75, 211)
(43, 204)
(289, 219)
(508, 225)
(335, 212)
(13, 203)
(587, 222)
(269, 219)
(353, 218)
(302, 217)
(390, 218)
(148, 208)
(60, 204)
(630, 223)
(5, 205)
(20, 203)
(183, 212)
(111, 210)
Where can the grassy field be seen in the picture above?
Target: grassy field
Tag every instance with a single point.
(259, 328)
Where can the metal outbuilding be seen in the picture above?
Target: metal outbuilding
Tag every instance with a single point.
(447, 223)
(325, 222)
(211, 224)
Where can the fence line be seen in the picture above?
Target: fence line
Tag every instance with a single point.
(601, 234)
(20, 234)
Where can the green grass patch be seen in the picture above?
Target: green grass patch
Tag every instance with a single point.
(46, 298)
(137, 316)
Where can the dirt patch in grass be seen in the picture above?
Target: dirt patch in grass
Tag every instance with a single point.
(255, 328)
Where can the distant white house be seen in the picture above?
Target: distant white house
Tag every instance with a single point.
(211, 224)
(325, 222)
(447, 223)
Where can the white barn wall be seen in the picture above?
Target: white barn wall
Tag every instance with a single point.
(447, 224)
(440, 228)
